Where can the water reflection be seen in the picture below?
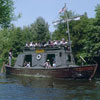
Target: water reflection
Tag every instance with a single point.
(29, 88)
(52, 83)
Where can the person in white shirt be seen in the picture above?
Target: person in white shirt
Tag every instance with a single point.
(28, 64)
(54, 64)
(10, 57)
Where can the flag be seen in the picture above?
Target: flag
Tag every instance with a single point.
(74, 18)
(77, 18)
(64, 21)
(62, 10)
(56, 22)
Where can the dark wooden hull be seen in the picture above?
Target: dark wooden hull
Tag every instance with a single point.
(72, 72)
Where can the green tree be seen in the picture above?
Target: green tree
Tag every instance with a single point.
(6, 12)
(97, 10)
(40, 30)
(28, 34)
(16, 40)
(78, 30)
(84, 35)
(61, 27)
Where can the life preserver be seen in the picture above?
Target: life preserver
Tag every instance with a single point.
(38, 57)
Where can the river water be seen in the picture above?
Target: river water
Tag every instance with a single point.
(29, 88)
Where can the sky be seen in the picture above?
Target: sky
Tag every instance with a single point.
(30, 10)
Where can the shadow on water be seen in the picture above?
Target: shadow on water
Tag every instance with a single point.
(30, 88)
(51, 82)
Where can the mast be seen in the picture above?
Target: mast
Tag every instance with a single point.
(68, 32)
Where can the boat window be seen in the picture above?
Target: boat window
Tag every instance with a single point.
(60, 54)
(69, 58)
(51, 58)
(28, 60)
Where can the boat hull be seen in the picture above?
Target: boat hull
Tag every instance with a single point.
(72, 72)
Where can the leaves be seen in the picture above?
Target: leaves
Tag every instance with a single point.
(6, 13)
(85, 33)
(85, 36)
(40, 30)
(15, 37)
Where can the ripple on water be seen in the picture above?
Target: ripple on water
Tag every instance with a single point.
(26, 88)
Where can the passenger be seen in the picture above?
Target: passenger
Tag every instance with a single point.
(58, 43)
(47, 64)
(28, 64)
(27, 45)
(51, 43)
(54, 64)
(10, 57)
(45, 45)
(25, 64)
(61, 42)
(36, 44)
(55, 42)
(65, 43)
(31, 44)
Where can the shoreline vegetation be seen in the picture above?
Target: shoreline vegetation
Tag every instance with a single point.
(1, 63)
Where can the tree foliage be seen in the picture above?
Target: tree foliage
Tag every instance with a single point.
(15, 37)
(84, 35)
(40, 30)
(61, 28)
(97, 10)
(6, 12)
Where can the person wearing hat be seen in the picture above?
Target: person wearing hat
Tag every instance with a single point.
(47, 64)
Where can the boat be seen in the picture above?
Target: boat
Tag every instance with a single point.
(60, 58)
(37, 56)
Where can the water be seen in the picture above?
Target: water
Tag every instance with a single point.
(27, 88)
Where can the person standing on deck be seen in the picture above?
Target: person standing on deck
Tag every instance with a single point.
(10, 57)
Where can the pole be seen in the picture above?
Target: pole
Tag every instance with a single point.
(69, 39)
(3, 67)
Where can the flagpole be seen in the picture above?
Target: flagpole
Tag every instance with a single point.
(68, 31)
(69, 39)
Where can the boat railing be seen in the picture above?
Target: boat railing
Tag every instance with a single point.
(49, 47)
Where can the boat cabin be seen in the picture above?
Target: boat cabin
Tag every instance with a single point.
(37, 56)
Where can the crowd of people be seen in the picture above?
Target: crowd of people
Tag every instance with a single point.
(49, 43)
